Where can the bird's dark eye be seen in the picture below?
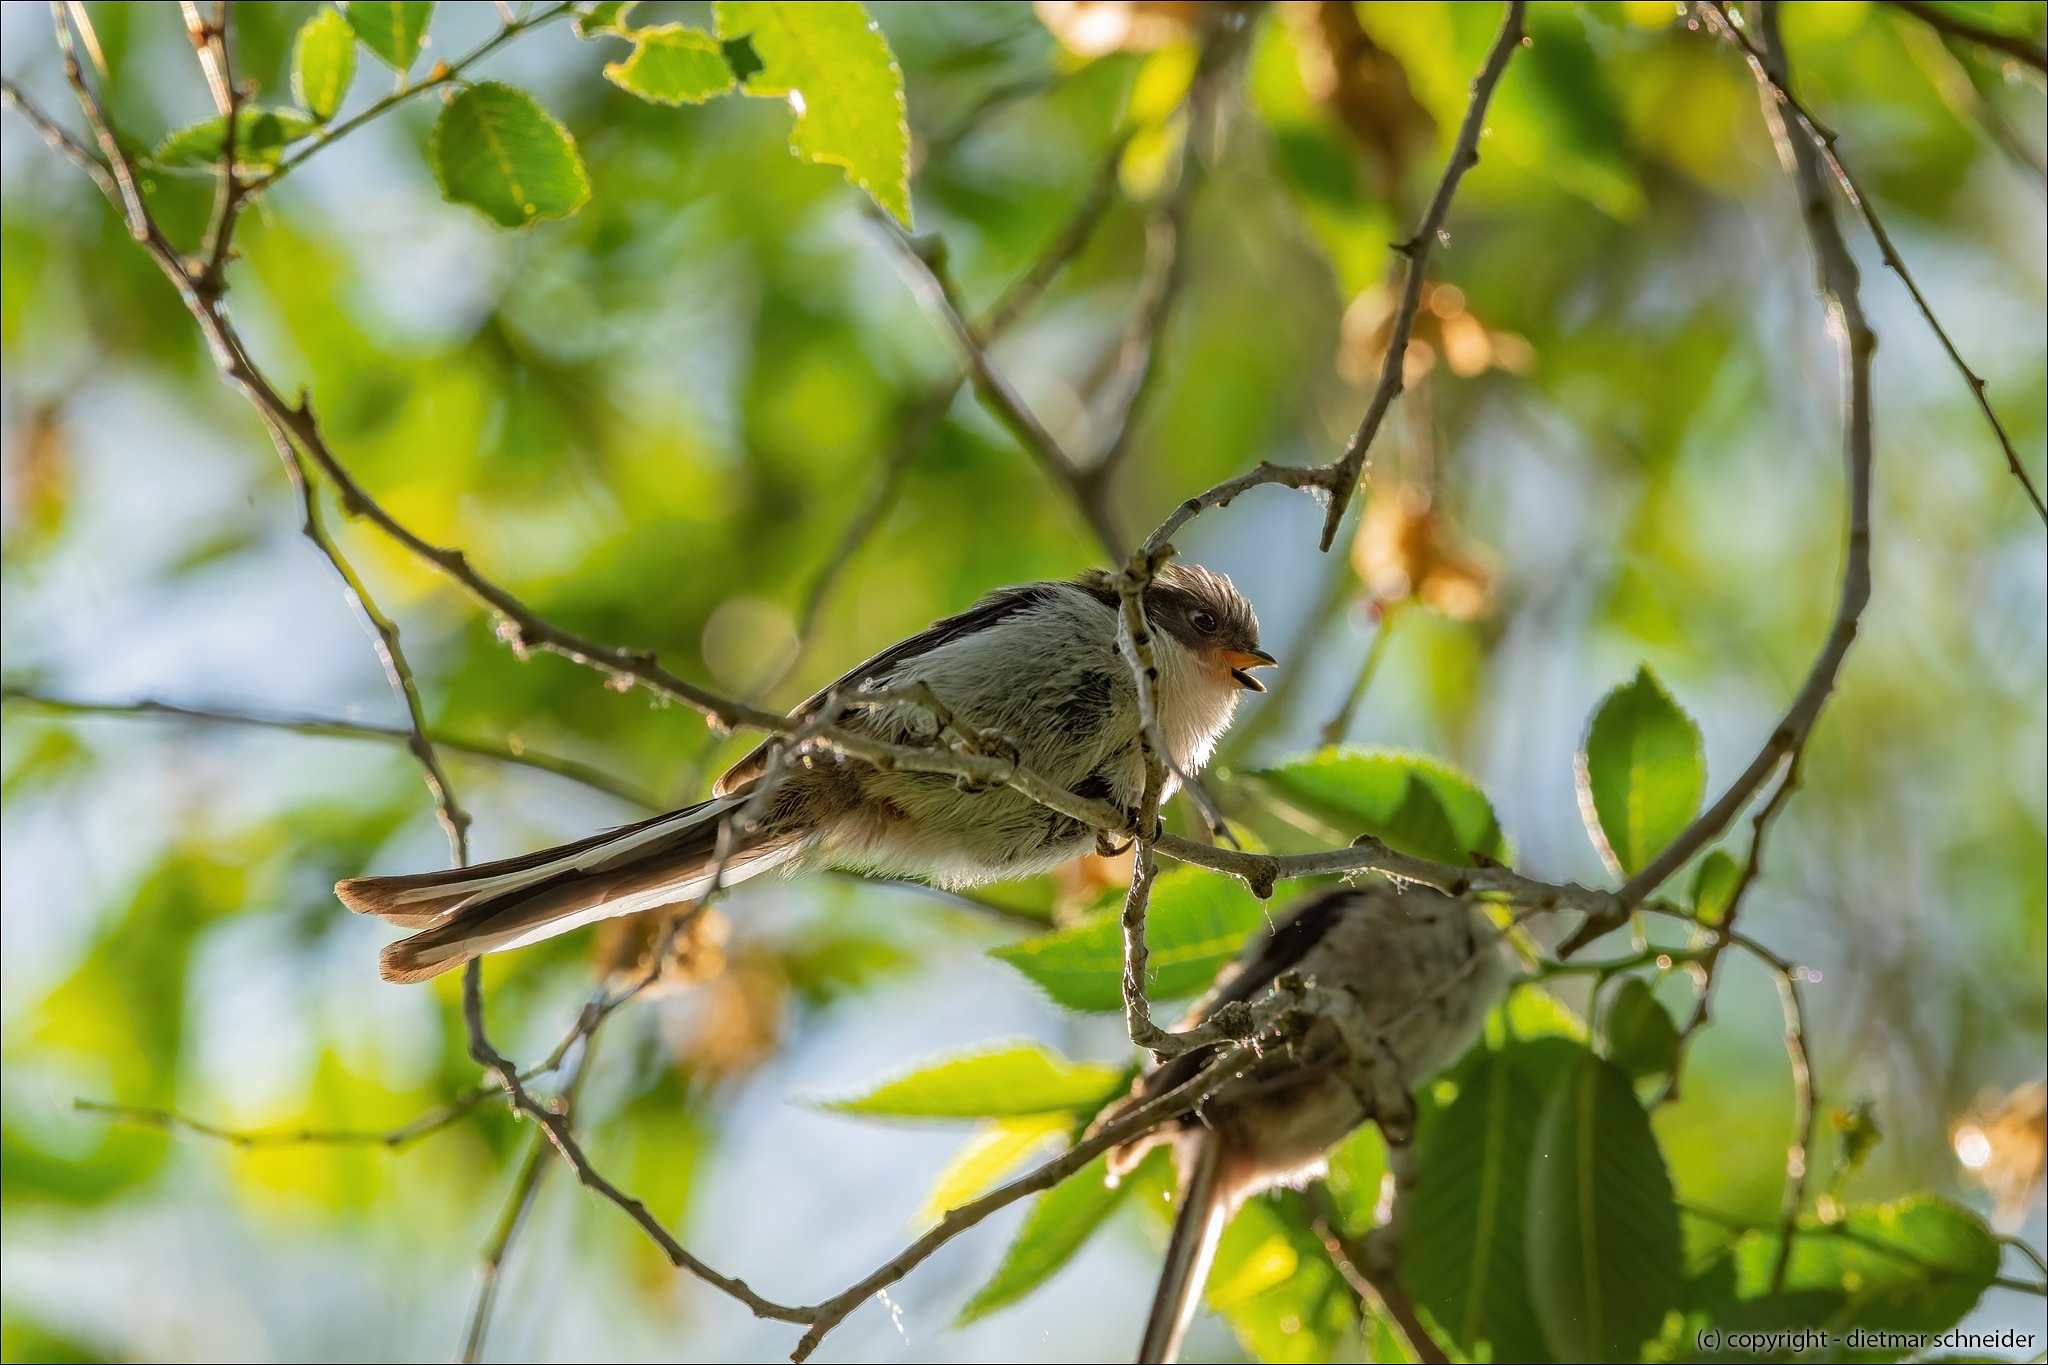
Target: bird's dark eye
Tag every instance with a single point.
(1202, 621)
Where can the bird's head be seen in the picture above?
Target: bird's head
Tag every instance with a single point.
(1210, 618)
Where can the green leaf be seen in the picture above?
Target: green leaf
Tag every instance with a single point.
(995, 1148)
(1533, 1012)
(392, 29)
(999, 1083)
(1713, 886)
(1197, 922)
(1060, 1222)
(261, 135)
(1641, 773)
(496, 150)
(672, 64)
(1602, 1240)
(1917, 1265)
(1357, 1165)
(835, 67)
(1640, 1037)
(323, 64)
(1418, 805)
(1467, 1225)
(606, 18)
(1272, 1280)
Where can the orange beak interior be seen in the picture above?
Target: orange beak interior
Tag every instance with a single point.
(1242, 659)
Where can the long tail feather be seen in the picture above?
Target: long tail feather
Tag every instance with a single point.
(1204, 1208)
(517, 901)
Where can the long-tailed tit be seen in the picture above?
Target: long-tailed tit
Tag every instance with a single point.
(1394, 987)
(1037, 665)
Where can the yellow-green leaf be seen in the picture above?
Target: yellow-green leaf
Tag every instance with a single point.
(496, 150)
(1060, 1221)
(996, 1148)
(1197, 922)
(832, 63)
(1641, 773)
(261, 135)
(1002, 1082)
(606, 18)
(392, 29)
(672, 64)
(323, 64)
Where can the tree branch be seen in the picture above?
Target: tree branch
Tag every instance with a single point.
(1941, 21)
(1824, 143)
(383, 634)
(325, 727)
(441, 75)
(1464, 156)
(1839, 282)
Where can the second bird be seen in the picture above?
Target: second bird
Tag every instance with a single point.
(1037, 664)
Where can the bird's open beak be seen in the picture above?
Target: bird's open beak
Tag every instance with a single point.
(1241, 659)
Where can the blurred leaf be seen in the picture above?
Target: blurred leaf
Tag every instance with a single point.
(1060, 1222)
(496, 150)
(1356, 1168)
(25, 1339)
(827, 964)
(1641, 773)
(1641, 1039)
(1604, 1255)
(672, 64)
(995, 1149)
(606, 17)
(1468, 1222)
(1533, 1012)
(1197, 922)
(1418, 805)
(1272, 1280)
(55, 755)
(1917, 1265)
(1713, 886)
(391, 29)
(834, 65)
(323, 64)
(999, 1083)
(261, 135)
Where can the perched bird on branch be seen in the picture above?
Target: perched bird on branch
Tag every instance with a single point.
(1032, 672)
(1391, 988)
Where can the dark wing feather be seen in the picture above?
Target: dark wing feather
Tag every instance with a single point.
(1281, 949)
(997, 606)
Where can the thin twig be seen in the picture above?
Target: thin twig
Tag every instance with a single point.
(1941, 21)
(327, 727)
(1168, 1104)
(1717, 936)
(210, 42)
(934, 284)
(556, 1126)
(61, 141)
(1824, 142)
(383, 632)
(1799, 1154)
(923, 415)
(525, 1186)
(518, 1204)
(1464, 156)
(441, 75)
(171, 1121)
(1141, 354)
(1369, 1281)
(1339, 725)
(1839, 282)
